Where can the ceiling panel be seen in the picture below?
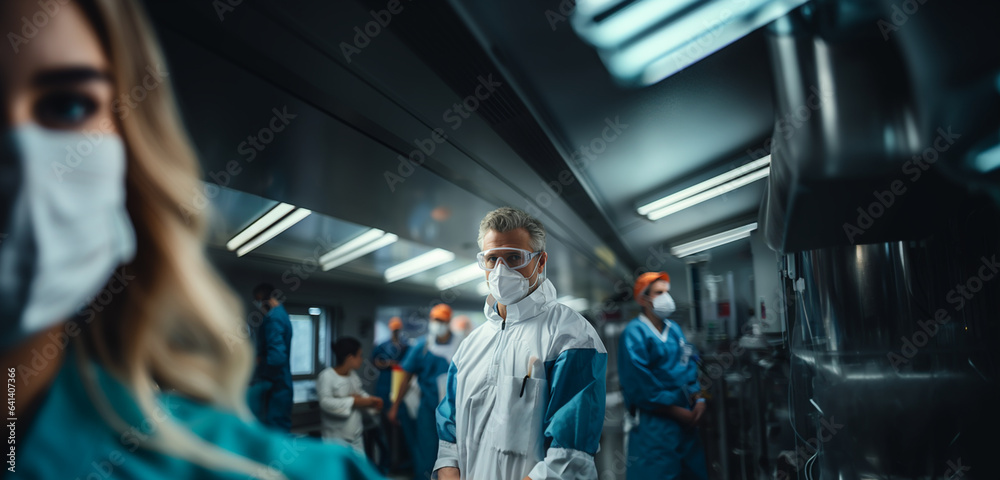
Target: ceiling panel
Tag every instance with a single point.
(299, 248)
(706, 115)
(353, 120)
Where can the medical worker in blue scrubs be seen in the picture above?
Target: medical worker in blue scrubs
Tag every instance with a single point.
(428, 361)
(123, 353)
(385, 357)
(270, 392)
(659, 380)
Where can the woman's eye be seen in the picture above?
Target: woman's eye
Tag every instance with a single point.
(64, 109)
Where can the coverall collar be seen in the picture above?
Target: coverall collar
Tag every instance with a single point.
(528, 308)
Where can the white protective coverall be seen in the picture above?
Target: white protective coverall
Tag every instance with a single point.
(494, 423)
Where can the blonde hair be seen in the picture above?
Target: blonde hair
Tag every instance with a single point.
(175, 325)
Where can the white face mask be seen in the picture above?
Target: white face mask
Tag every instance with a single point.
(62, 208)
(663, 305)
(509, 287)
(437, 329)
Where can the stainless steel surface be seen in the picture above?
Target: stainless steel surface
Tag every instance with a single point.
(862, 104)
(889, 392)
(683, 130)
(351, 123)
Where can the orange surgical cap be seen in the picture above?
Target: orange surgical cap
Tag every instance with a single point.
(441, 311)
(395, 323)
(647, 279)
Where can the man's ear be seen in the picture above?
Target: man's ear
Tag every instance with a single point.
(643, 300)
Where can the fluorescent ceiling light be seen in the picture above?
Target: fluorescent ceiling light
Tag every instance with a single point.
(266, 220)
(415, 265)
(455, 278)
(483, 289)
(708, 189)
(315, 311)
(284, 224)
(988, 160)
(643, 41)
(706, 185)
(357, 247)
(351, 245)
(709, 194)
(622, 26)
(713, 241)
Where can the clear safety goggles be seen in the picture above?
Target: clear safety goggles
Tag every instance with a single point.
(514, 258)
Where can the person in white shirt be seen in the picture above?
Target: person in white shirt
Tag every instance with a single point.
(341, 398)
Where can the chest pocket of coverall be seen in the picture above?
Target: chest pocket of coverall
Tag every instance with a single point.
(519, 426)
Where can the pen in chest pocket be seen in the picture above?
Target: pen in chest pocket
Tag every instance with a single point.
(524, 383)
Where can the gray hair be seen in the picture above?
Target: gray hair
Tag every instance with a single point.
(505, 219)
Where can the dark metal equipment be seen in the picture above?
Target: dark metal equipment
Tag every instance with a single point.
(883, 201)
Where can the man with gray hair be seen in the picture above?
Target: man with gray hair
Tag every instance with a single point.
(525, 391)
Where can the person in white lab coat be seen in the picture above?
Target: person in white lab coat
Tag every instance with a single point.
(341, 399)
(526, 390)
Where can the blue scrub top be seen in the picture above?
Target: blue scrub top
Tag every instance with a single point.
(656, 369)
(70, 439)
(273, 343)
(427, 367)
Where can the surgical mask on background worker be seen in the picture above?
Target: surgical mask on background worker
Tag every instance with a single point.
(437, 329)
(663, 305)
(63, 210)
(509, 287)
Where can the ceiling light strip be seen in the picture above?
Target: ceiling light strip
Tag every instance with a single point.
(259, 225)
(359, 241)
(713, 241)
(458, 277)
(273, 231)
(706, 185)
(332, 261)
(413, 266)
(709, 194)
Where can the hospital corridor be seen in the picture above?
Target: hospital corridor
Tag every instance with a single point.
(500, 239)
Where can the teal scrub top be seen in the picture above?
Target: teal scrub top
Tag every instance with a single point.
(69, 439)
(427, 366)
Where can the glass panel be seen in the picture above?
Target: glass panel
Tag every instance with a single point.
(304, 391)
(303, 345)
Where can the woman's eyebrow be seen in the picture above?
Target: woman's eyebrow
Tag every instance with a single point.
(68, 76)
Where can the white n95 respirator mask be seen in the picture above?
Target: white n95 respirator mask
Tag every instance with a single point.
(509, 287)
(663, 305)
(63, 222)
(437, 329)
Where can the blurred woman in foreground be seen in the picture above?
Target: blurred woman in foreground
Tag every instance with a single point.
(123, 350)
